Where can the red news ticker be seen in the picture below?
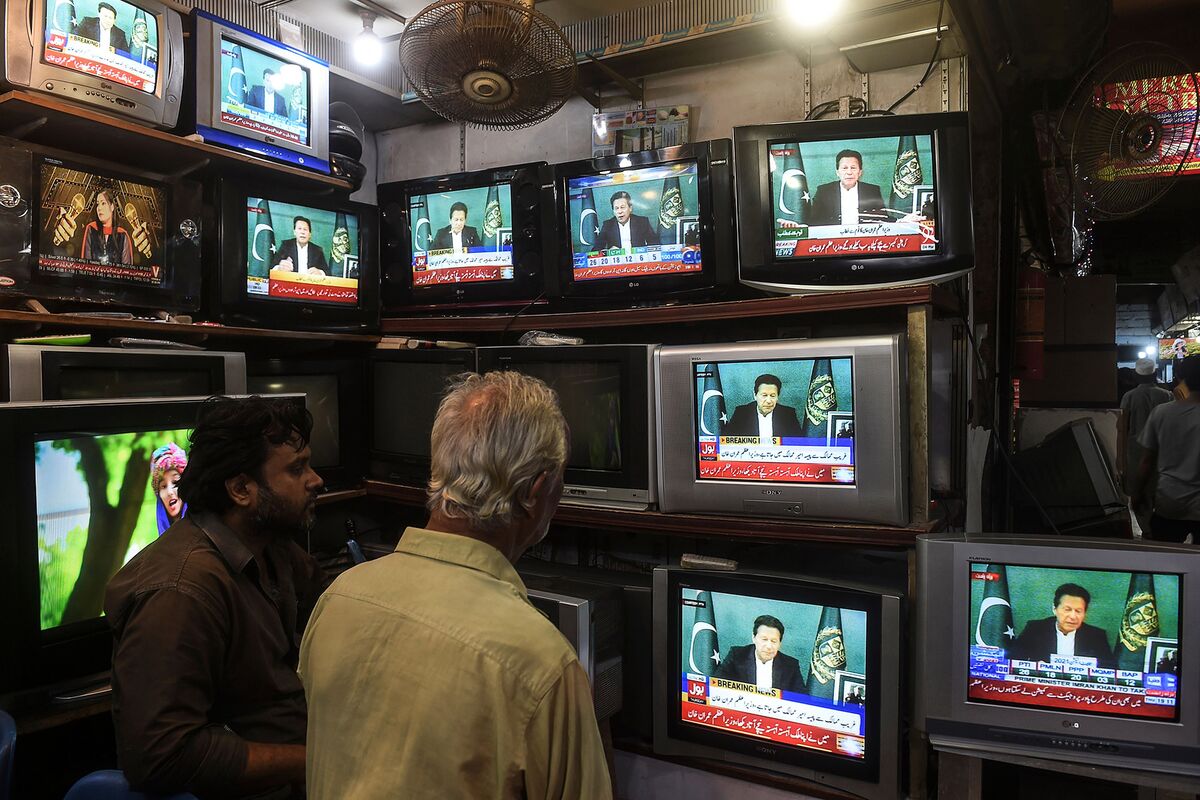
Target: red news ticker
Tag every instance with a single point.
(87, 65)
(757, 470)
(443, 275)
(260, 127)
(635, 270)
(860, 245)
(313, 291)
(985, 576)
(1074, 698)
(776, 730)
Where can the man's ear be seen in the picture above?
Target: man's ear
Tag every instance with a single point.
(242, 489)
(534, 491)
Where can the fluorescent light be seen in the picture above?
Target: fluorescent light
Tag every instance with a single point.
(368, 49)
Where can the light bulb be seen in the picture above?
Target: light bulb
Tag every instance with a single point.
(368, 50)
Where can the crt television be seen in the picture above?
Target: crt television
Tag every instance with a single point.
(123, 57)
(827, 709)
(835, 446)
(648, 224)
(471, 238)
(85, 230)
(1067, 649)
(259, 95)
(607, 396)
(294, 259)
(335, 394)
(46, 372)
(76, 488)
(858, 203)
(406, 388)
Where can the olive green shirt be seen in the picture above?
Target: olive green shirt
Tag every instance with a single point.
(429, 675)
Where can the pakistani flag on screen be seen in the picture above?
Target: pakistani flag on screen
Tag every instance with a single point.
(994, 628)
(493, 217)
(262, 242)
(1138, 623)
(704, 655)
(822, 398)
(828, 655)
(906, 176)
(589, 229)
(794, 202)
(670, 209)
(63, 18)
(422, 228)
(235, 90)
(712, 403)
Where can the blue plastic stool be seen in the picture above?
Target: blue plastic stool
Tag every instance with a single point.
(110, 784)
(8, 743)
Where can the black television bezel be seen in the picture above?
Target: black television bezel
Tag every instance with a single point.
(183, 201)
(352, 410)
(714, 179)
(636, 395)
(408, 469)
(230, 302)
(532, 249)
(789, 589)
(757, 263)
(39, 659)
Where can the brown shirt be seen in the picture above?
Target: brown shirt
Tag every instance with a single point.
(204, 654)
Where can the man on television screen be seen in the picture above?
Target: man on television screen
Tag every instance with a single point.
(458, 235)
(102, 29)
(764, 417)
(299, 254)
(760, 662)
(848, 200)
(1065, 633)
(264, 95)
(625, 229)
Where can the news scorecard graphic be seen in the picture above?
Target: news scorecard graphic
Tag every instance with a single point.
(812, 692)
(300, 253)
(114, 40)
(806, 406)
(462, 236)
(855, 197)
(99, 227)
(636, 222)
(263, 94)
(1171, 101)
(1098, 642)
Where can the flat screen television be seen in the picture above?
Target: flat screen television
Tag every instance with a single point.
(259, 95)
(796, 428)
(293, 259)
(78, 504)
(1066, 649)
(826, 704)
(406, 388)
(47, 372)
(647, 225)
(335, 394)
(468, 239)
(84, 230)
(857, 203)
(607, 396)
(123, 57)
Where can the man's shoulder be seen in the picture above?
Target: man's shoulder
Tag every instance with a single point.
(182, 560)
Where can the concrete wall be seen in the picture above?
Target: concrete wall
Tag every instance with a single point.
(765, 88)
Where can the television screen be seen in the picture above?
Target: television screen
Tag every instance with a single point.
(867, 196)
(636, 222)
(789, 420)
(462, 236)
(321, 399)
(264, 94)
(99, 227)
(422, 385)
(1090, 641)
(773, 670)
(82, 545)
(113, 40)
(301, 254)
(97, 383)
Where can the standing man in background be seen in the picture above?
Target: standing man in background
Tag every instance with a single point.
(1171, 439)
(1136, 406)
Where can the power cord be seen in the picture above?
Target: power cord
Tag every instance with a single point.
(513, 319)
(937, 48)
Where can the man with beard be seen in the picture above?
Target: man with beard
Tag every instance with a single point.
(428, 672)
(206, 619)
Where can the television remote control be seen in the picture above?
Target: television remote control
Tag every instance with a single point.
(132, 341)
(696, 561)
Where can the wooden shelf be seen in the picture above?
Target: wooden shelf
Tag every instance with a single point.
(46, 120)
(330, 498)
(942, 299)
(46, 324)
(697, 525)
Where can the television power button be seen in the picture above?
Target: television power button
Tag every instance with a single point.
(797, 509)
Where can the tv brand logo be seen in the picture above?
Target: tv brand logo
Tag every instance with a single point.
(575, 492)
(770, 751)
(1070, 723)
(772, 492)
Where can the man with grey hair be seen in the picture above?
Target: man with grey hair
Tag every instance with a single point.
(428, 673)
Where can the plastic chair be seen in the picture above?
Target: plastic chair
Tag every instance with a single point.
(8, 744)
(110, 784)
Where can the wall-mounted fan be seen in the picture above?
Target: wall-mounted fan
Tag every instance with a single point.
(488, 63)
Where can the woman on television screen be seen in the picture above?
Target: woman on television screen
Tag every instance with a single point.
(103, 239)
(166, 466)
